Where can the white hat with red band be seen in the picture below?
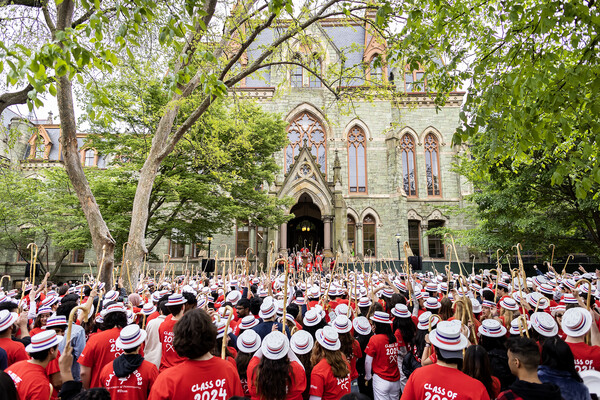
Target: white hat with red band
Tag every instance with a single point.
(488, 304)
(248, 322)
(446, 336)
(267, 308)
(364, 302)
(44, 310)
(424, 324)
(342, 324)
(175, 299)
(381, 317)
(328, 338)
(116, 307)
(362, 326)
(509, 303)
(514, 326)
(401, 311)
(312, 317)
(148, 308)
(432, 303)
(544, 324)
(302, 342)
(248, 341)
(56, 321)
(534, 298)
(221, 329)
(43, 341)
(111, 295)
(130, 337)
(275, 345)
(491, 328)
(576, 322)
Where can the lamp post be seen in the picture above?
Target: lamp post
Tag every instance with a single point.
(398, 243)
(209, 242)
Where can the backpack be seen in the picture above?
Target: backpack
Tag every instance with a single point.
(409, 364)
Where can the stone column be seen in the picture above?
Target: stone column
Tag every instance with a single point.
(359, 240)
(424, 241)
(283, 238)
(252, 238)
(327, 232)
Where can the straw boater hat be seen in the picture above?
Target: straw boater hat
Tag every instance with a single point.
(175, 299)
(546, 288)
(117, 307)
(533, 298)
(569, 283)
(568, 298)
(267, 308)
(248, 322)
(312, 317)
(491, 328)
(364, 302)
(342, 324)
(50, 301)
(381, 317)
(509, 303)
(328, 338)
(514, 326)
(544, 324)
(302, 342)
(130, 337)
(275, 345)
(148, 308)
(221, 329)
(446, 337)
(44, 310)
(559, 308)
(342, 309)
(432, 303)
(362, 326)
(234, 296)
(56, 321)
(43, 341)
(576, 322)
(111, 295)
(401, 311)
(424, 321)
(476, 306)
(248, 341)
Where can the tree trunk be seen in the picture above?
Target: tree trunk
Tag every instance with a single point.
(58, 263)
(102, 240)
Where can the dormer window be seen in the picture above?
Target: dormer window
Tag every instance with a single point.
(376, 72)
(414, 81)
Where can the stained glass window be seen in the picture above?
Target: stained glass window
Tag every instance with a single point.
(407, 147)
(306, 127)
(432, 165)
(357, 160)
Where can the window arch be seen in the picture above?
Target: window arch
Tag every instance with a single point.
(351, 227)
(306, 127)
(357, 160)
(432, 165)
(369, 235)
(375, 72)
(407, 148)
(89, 158)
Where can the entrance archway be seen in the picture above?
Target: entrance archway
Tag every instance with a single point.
(306, 229)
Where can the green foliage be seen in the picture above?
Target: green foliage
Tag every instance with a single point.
(212, 178)
(532, 75)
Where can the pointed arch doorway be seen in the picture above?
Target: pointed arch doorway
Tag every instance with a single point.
(306, 228)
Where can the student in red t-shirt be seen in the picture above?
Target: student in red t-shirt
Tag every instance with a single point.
(443, 379)
(330, 376)
(248, 343)
(349, 347)
(129, 376)
(200, 375)
(272, 374)
(382, 362)
(169, 356)
(576, 323)
(30, 376)
(477, 365)
(15, 351)
(101, 347)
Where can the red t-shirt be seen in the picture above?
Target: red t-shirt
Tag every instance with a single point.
(35, 331)
(15, 351)
(356, 354)
(169, 356)
(385, 357)
(298, 377)
(51, 369)
(99, 351)
(30, 380)
(326, 386)
(586, 357)
(434, 381)
(191, 379)
(399, 338)
(135, 386)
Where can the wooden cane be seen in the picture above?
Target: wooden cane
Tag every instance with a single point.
(225, 335)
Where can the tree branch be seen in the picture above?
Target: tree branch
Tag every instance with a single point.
(11, 99)
(26, 3)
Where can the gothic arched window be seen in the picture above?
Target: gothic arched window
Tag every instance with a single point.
(306, 127)
(369, 234)
(352, 234)
(432, 165)
(357, 160)
(407, 147)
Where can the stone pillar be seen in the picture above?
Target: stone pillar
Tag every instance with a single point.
(359, 239)
(327, 232)
(283, 238)
(424, 241)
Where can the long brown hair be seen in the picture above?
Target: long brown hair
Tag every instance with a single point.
(335, 359)
(347, 341)
(446, 311)
(477, 365)
(272, 378)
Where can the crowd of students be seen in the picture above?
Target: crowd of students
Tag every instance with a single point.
(346, 335)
